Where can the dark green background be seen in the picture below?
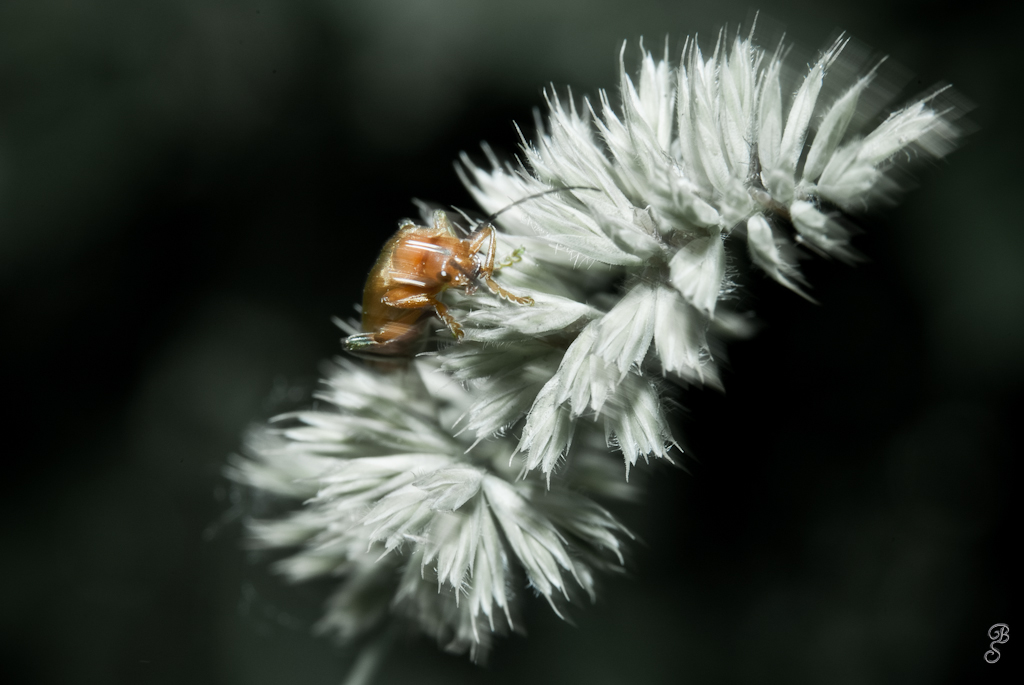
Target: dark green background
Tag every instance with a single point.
(190, 190)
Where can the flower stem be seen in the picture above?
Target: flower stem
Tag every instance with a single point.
(365, 668)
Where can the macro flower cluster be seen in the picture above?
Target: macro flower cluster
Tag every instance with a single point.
(441, 492)
(414, 522)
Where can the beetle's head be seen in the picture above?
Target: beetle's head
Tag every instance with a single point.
(462, 270)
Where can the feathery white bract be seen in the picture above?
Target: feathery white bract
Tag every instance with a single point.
(414, 524)
(703, 159)
(437, 493)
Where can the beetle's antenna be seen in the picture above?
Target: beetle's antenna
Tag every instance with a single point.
(520, 201)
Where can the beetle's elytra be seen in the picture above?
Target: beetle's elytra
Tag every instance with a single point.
(416, 265)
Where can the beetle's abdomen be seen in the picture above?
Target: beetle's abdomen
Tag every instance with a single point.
(411, 263)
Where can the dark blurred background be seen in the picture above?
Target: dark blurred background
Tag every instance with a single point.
(190, 189)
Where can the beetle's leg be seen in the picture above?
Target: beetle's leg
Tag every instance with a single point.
(421, 301)
(487, 233)
(395, 339)
(501, 292)
(360, 341)
(483, 234)
(454, 326)
(392, 340)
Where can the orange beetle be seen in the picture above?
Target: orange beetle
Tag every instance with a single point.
(416, 265)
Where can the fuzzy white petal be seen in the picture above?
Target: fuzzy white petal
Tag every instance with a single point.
(832, 129)
(680, 338)
(765, 252)
(624, 334)
(697, 270)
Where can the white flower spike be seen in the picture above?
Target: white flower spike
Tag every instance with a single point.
(700, 159)
(436, 493)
